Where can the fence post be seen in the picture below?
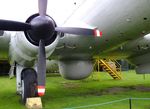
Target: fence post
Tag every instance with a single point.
(130, 103)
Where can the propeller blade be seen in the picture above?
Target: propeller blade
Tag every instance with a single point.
(79, 31)
(9, 25)
(42, 7)
(41, 68)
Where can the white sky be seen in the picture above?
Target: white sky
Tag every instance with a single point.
(20, 10)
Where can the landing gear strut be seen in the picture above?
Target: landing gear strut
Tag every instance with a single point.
(29, 84)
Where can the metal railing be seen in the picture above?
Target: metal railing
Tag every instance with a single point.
(111, 102)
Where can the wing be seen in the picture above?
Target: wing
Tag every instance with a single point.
(118, 24)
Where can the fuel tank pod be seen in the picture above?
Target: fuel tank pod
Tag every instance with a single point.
(75, 69)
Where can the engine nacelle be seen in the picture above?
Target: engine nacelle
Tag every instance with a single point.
(142, 63)
(75, 69)
(143, 69)
(24, 52)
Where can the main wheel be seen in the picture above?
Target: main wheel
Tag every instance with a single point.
(29, 84)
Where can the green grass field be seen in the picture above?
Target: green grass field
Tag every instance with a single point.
(100, 88)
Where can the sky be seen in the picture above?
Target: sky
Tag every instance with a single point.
(20, 10)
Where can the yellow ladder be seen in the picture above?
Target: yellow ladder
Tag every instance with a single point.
(115, 73)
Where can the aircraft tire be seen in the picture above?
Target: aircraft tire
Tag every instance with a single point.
(29, 84)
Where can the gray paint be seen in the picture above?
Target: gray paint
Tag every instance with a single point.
(1, 33)
(121, 22)
(75, 69)
(110, 16)
(25, 53)
(143, 69)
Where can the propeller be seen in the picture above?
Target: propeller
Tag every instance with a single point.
(8, 25)
(41, 29)
(41, 68)
(42, 7)
(79, 31)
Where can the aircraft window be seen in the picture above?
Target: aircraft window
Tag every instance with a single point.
(138, 47)
(121, 34)
(121, 47)
(106, 40)
(62, 35)
(143, 47)
(145, 18)
(147, 45)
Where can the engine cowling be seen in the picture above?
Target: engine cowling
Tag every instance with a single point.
(24, 52)
(24, 45)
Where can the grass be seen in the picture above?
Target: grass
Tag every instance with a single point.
(100, 88)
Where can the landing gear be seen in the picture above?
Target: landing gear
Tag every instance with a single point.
(29, 84)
